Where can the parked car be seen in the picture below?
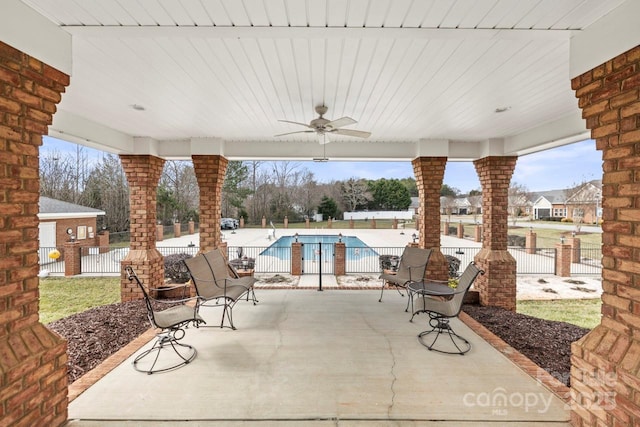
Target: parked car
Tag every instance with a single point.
(228, 224)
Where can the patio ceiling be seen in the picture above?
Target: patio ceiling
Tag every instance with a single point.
(424, 77)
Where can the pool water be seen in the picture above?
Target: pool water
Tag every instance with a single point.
(355, 248)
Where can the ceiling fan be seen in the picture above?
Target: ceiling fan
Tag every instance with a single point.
(324, 127)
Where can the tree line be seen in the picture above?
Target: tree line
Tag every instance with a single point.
(252, 189)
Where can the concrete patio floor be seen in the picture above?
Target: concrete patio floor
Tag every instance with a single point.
(332, 358)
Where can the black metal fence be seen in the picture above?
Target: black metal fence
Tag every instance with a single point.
(316, 258)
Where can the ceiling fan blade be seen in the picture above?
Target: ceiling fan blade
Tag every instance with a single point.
(296, 123)
(291, 133)
(352, 132)
(342, 121)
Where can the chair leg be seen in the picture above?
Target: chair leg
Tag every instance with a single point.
(186, 353)
(440, 325)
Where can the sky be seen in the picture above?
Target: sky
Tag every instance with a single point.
(554, 169)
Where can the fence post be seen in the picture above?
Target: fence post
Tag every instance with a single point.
(445, 228)
(286, 221)
(563, 260)
(460, 230)
(159, 232)
(530, 242)
(478, 233)
(103, 241)
(264, 222)
(350, 222)
(296, 259)
(176, 229)
(373, 223)
(575, 250)
(306, 222)
(394, 224)
(241, 222)
(329, 224)
(192, 227)
(72, 258)
(339, 260)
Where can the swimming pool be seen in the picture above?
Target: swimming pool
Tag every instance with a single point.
(355, 248)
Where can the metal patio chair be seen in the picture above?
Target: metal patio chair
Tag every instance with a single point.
(442, 305)
(215, 290)
(172, 323)
(412, 266)
(223, 270)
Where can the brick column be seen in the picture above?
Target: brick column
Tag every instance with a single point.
(176, 229)
(241, 222)
(143, 173)
(563, 260)
(329, 225)
(339, 259)
(103, 241)
(296, 259)
(373, 223)
(497, 286)
(477, 233)
(33, 379)
(159, 233)
(429, 173)
(460, 231)
(605, 373)
(191, 227)
(210, 172)
(531, 242)
(576, 253)
(72, 258)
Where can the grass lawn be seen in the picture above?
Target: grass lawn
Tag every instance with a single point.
(61, 297)
(581, 312)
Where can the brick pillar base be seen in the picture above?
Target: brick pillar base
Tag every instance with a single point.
(148, 265)
(438, 267)
(339, 260)
(497, 287)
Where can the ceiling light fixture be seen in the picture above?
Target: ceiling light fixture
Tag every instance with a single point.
(138, 107)
(502, 109)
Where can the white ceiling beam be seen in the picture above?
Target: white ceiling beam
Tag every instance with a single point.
(605, 39)
(25, 29)
(316, 32)
(72, 128)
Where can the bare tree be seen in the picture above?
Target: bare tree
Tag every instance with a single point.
(355, 193)
(107, 189)
(475, 203)
(448, 203)
(178, 192)
(519, 198)
(63, 175)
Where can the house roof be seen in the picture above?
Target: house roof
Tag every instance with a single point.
(53, 208)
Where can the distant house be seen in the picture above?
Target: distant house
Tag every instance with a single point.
(59, 220)
(578, 204)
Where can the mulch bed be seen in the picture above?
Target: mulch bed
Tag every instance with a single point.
(97, 333)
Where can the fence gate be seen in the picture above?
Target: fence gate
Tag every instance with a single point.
(318, 258)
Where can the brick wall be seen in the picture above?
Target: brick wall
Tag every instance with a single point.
(497, 286)
(605, 374)
(429, 174)
(143, 174)
(210, 172)
(33, 379)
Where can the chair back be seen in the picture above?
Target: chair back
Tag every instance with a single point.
(464, 283)
(131, 275)
(413, 263)
(202, 277)
(218, 265)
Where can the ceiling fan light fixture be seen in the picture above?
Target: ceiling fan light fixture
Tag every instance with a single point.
(502, 109)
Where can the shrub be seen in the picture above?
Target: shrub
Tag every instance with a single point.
(175, 269)
(513, 240)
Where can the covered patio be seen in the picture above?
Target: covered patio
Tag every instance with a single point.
(434, 82)
(340, 358)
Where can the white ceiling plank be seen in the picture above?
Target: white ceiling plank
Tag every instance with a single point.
(377, 12)
(237, 12)
(418, 13)
(297, 11)
(436, 14)
(277, 12)
(317, 11)
(476, 13)
(158, 13)
(257, 13)
(459, 11)
(588, 12)
(196, 12)
(107, 13)
(317, 61)
(396, 13)
(516, 12)
(81, 14)
(137, 12)
(52, 11)
(336, 13)
(217, 13)
(357, 13)
(546, 13)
